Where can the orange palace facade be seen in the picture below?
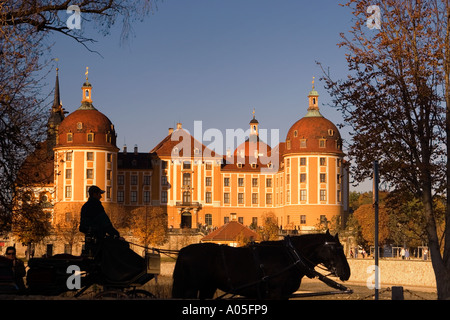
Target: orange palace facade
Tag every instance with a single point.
(302, 181)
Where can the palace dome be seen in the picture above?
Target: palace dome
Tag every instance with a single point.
(313, 133)
(86, 126)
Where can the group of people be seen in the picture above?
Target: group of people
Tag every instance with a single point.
(354, 253)
(403, 253)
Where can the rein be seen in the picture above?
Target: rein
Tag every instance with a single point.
(166, 252)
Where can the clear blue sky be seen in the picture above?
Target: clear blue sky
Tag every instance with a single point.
(208, 60)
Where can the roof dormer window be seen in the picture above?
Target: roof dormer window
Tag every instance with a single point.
(302, 143)
(322, 143)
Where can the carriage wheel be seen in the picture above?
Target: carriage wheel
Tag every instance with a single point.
(140, 294)
(111, 294)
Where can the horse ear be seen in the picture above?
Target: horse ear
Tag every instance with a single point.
(328, 232)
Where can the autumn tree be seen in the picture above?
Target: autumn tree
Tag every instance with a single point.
(364, 216)
(149, 224)
(31, 222)
(392, 98)
(269, 228)
(66, 227)
(26, 28)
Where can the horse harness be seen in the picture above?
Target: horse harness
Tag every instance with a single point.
(298, 262)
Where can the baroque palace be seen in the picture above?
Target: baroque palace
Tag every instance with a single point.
(303, 181)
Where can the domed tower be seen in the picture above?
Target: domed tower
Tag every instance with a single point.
(313, 169)
(248, 152)
(85, 153)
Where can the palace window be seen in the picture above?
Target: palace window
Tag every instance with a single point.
(322, 143)
(120, 196)
(89, 156)
(208, 197)
(240, 182)
(302, 143)
(163, 196)
(208, 181)
(269, 182)
(226, 197)
(186, 179)
(303, 161)
(146, 196)
(323, 195)
(323, 161)
(69, 137)
(254, 182)
(68, 192)
(302, 177)
(134, 180)
(133, 196)
(68, 173)
(208, 219)
(323, 177)
(89, 173)
(90, 137)
(226, 182)
(186, 165)
(254, 198)
(268, 198)
(303, 195)
(120, 179)
(240, 198)
(186, 197)
(302, 219)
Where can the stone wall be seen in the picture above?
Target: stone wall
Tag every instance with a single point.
(394, 272)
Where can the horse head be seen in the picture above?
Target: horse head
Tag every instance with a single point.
(331, 254)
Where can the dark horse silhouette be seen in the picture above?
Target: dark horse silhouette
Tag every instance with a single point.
(268, 270)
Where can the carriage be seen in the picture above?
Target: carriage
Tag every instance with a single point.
(115, 267)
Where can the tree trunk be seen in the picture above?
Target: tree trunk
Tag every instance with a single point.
(441, 271)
